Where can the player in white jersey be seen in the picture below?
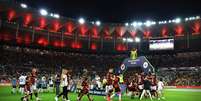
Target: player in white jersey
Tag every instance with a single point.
(160, 89)
(22, 81)
(98, 82)
(65, 84)
(44, 84)
(51, 84)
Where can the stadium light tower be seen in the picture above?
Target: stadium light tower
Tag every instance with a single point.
(98, 23)
(43, 12)
(56, 16)
(124, 39)
(93, 22)
(23, 5)
(51, 14)
(81, 20)
(197, 17)
(134, 24)
(139, 24)
(177, 20)
(186, 19)
(137, 39)
(130, 40)
(126, 24)
(153, 23)
(148, 23)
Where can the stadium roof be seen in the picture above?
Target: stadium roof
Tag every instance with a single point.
(120, 10)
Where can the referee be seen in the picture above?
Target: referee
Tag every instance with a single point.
(147, 88)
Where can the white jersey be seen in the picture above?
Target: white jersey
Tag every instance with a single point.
(22, 80)
(97, 78)
(64, 80)
(160, 85)
(51, 82)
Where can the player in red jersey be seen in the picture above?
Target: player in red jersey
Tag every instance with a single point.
(127, 82)
(116, 86)
(154, 85)
(27, 89)
(85, 90)
(109, 85)
(133, 88)
(33, 79)
(140, 80)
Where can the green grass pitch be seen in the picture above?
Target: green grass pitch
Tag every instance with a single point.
(5, 95)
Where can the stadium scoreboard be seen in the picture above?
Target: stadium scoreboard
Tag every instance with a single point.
(161, 44)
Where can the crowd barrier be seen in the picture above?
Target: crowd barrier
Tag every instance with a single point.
(97, 92)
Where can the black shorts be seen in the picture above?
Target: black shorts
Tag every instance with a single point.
(14, 86)
(84, 91)
(153, 90)
(111, 90)
(39, 86)
(104, 85)
(51, 85)
(147, 89)
(133, 89)
(117, 89)
(44, 87)
(22, 86)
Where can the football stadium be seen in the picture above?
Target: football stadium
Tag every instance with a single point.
(49, 52)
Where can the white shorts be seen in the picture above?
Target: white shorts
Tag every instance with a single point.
(99, 84)
(69, 87)
(160, 89)
(108, 88)
(27, 92)
(33, 88)
(140, 87)
(153, 88)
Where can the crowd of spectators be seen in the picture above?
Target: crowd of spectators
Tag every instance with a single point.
(182, 78)
(15, 60)
(186, 59)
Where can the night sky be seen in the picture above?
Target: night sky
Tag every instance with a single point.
(118, 11)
